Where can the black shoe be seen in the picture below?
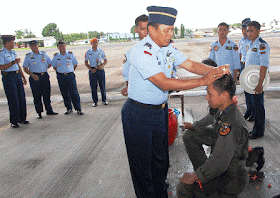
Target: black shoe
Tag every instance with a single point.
(52, 113)
(14, 125)
(68, 111)
(24, 122)
(80, 112)
(39, 116)
(256, 155)
(251, 119)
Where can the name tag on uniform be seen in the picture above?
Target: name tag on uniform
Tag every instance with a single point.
(229, 48)
(254, 49)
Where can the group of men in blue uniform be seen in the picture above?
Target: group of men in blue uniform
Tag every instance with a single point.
(36, 64)
(147, 71)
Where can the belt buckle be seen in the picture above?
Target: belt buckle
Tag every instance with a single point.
(65, 74)
(17, 71)
(163, 105)
(42, 74)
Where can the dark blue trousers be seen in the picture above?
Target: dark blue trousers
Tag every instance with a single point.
(68, 88)
(250, 107)
(41, 89)
(14, 91)
(257, 102)
(146, 139)
(97, 78)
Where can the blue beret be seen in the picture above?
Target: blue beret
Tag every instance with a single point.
(245, 22)
(162, 15)
(8, 38)
(33, 42)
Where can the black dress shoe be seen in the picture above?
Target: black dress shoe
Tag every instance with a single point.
(68, 111)
(80, 112)
(52, 113)
(14, 125)
(39, 116)
(24, 122)
(256, 155)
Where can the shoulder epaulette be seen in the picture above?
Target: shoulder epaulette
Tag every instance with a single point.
(148, 45)
(262, 41)
(28, 53)
(43, 52)
(70, 52)
(56, 54)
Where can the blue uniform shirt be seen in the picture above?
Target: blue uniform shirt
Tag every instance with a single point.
(126, 65)
(64, 63)
(37, 63)
(148, 59)
(243, 48)
(6, 57)
(227, 54)
(257, 53)
(95, 57)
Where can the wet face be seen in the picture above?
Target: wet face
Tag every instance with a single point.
(62, 48)
(222, 31)
(162, 35)
(34, 48)
(253, 33)
(141, 29)
(213, 97)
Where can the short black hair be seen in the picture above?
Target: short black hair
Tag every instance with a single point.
(209, 62)
(155, 25)
(225, 83)
(60, 42)
(256, 24)
(224, 24)
(142, 18)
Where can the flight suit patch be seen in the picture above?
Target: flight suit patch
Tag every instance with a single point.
(216, 48)
(225, 129)
(262, 47)
(235, 48)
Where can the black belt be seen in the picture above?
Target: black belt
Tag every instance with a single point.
(40, 73)
(150, 106)
(11, 72)
(65, 74)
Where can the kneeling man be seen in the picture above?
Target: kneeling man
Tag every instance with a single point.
(224, 173)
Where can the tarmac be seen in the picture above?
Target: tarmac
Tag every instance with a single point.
(85, 156)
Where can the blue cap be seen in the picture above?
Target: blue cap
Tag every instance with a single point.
(33, 42)
(8, 38)
(162, 15)
(245, 22)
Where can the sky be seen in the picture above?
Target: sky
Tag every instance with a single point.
(119, 15)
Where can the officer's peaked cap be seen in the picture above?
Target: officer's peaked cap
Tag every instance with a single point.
(162, 15)
(8, 38)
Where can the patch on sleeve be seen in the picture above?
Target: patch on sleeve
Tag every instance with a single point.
(225, 129)
(262, 47)
(235, 47)
(125, 59)
(146, 52)
(216, 48)
(210, 48)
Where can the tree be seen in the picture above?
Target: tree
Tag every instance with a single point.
(132, 30)
(52, 30)
(182, 31)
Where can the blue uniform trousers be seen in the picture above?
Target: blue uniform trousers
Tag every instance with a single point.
(257, 102)
(250, 107)
(68, 88)
(146, 139)
(41, 88)
(14, 90)
(94, 78)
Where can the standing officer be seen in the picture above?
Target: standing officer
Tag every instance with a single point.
(95, 56)
(144, 113)
(64, 63)
(141, 23)
(36, 64)
(225, 51)
(258, 53)
(13, 80)
(224, 173)
(243, 43)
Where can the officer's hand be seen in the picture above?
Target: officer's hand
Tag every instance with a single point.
(124, 91)
(17, 60)
(188, 125)
(100, 67)
(189, 178)
(35, 77)
(258, 89)
(93, 70)
(214, 74)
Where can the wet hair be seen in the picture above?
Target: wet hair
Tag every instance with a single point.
(209, 62)
(256, 24)
(224, 24)
(142, 18)
(225, 83)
